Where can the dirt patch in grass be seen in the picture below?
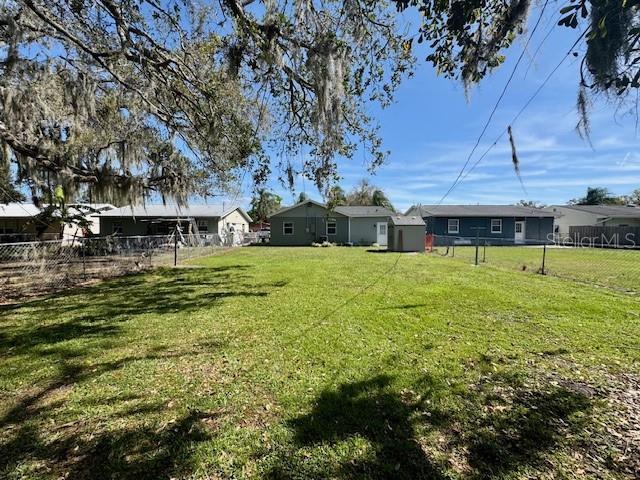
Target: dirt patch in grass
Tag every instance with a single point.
(616, 438)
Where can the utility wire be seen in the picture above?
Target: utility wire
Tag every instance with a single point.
(524, 107)
(542, 42)
(497, 104)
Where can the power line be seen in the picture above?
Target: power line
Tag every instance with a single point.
(497, 104)
(542, 42)
(524, 107)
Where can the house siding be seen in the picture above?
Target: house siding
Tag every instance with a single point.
(307, 230)
(133, 227)
(616, 222)
(130, 226)
(24, 229)
(536, 228)
(212, 224)
(234, 218)
(364, 230)
(569, 218)
(309, 225)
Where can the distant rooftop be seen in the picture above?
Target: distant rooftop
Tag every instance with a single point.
(346, 210)
(477, 211)
(18, 210)
(22, 210)
(363, 211)
(170, 211)
(631, 211)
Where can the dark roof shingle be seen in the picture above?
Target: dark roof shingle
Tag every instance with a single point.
(478, 211)
(606, 210)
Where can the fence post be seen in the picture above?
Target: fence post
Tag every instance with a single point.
(484, 252)
(84, 262)
(453, 250)
(175, 248)
(544, 258)
(477, 244)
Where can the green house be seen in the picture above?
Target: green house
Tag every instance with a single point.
(311, 221)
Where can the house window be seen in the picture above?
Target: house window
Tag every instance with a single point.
(117, 228)
(453, 225)
(287, 228)
(332, 228)
(496, 225)
(203, 225)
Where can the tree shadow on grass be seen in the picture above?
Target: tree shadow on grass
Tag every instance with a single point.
(368, 409)
(492, 434)
(97, 312)
(79, 450)
(126, 453)
(69, 333)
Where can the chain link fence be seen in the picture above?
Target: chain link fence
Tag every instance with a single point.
(32, 268)
(616, 268)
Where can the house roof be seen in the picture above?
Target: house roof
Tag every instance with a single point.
(478, 211)
(286, 209)
(18, 210)
(346, 210)
(406, 220)
(174, 211)
(363, 211)
(605, 210)
(23, 210)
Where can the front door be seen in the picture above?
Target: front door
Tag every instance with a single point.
(382, 234)
(520, 227)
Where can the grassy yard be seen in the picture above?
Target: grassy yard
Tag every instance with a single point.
(615, 268)
(322, 363)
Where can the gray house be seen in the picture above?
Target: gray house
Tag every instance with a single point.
(311, 221)
(498, 224)
(161, 219)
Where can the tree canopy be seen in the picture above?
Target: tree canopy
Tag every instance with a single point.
(263, 205)
(363, 194)
(303, 197)
(335, 196)
(599, 196)
(467, 39)
(530, 204)
(179, 96)
(9, 192)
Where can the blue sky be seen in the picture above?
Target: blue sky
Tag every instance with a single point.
(432, 126)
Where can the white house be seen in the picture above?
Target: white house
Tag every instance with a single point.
(161, 219)
(593, 215)
(18, 224)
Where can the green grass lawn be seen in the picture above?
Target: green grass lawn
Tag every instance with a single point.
(322, 363)
(615, 268)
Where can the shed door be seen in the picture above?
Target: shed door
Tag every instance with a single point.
(382, 233)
